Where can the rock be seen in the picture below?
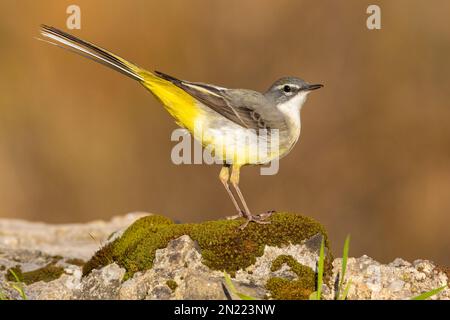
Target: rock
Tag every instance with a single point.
(59, 286)
(197, 255)
(76, 240)
(102, 284)
(181, 262)
(187, 262)
(221, 246)
(32, 246)
(397, 280)
(61, 289)
(305, 254)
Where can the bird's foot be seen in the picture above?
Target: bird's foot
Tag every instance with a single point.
(257, 218)
(236, 216)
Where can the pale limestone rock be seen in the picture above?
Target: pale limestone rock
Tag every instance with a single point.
(101, 283)
(34, 245)
(397, 280)
(76, 240)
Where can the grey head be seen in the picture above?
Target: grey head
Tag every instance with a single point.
(286, 97)
(290, 89)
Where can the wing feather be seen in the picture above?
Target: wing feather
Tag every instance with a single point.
(219, 99)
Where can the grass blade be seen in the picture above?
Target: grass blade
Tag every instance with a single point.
(19, 289)
(14, 275)
(2, 295)
(346, 290)
(18, 285)
(344, 266)
(232, 288)
(429, 294)
(320, 269)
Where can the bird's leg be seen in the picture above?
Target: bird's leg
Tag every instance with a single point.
(248, 215)
(235, 182)
(224, 177)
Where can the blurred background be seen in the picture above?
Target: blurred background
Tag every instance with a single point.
(80, 142)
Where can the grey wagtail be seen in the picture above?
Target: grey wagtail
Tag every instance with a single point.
(222, 113)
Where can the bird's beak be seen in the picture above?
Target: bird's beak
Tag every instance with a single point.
(311, 87)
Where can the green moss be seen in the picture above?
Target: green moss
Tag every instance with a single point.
(102, 257)
(223, 245)
(48, 273)
(298, 289)
(295, 267)
(76, 262)
(55, 259)
(172, 284)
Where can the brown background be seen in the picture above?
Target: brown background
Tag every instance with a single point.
(80, 142)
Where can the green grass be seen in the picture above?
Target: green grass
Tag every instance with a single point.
(316, 295)
(347, 288)
(344, 292)
(428, 294)
(18, 285)
(2, 295)
(341, 292)
(233, 289)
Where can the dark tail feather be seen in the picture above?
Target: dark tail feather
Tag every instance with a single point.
(90, 51)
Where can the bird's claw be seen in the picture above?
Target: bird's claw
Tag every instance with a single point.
(257, 218)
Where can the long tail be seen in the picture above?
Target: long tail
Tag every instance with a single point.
(67, 41)
(177, 102)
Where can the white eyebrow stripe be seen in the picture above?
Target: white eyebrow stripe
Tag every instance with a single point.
(287, 84)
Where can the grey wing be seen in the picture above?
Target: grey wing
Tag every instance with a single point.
(243, 107)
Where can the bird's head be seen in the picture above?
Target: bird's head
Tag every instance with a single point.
(289, 94)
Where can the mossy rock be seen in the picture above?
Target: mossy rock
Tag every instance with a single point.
(172, 284)
(298, 289)
(75, 261)
(48, 273)
(223, 245)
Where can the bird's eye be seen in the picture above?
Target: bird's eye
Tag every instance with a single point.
(287, 89)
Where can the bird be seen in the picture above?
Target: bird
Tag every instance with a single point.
(233, 121)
